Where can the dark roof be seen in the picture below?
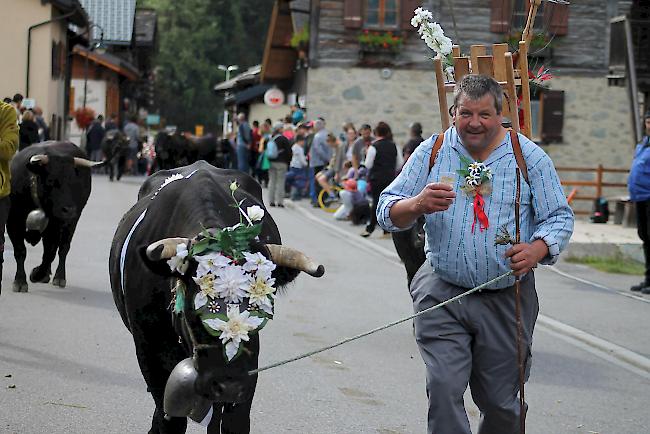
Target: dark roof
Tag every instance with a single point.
(250, 76)
(251, 93)
(145, 27)
(114, 17)
(78, 18)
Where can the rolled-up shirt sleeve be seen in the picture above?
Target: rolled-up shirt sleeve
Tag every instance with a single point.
(411, 180)
(554, 218)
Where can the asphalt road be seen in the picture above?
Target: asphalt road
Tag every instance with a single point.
(67, 364)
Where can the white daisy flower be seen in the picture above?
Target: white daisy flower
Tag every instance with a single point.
(211, 263)
(179, 262)
(231, 283)
(235, 330)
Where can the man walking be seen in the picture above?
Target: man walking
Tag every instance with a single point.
(8, 146)
(94, 138)
(639, 187)
(474, 340)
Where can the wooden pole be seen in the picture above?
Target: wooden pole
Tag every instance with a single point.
(442, 94)
(527, 128)
(599, 181)
(511, 91)
(527, 34)
(520, 332)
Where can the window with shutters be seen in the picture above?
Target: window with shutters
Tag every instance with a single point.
(381, 14)
(509, 16)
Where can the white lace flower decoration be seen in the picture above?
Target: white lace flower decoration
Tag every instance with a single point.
(179, 262)
(231, 284)
(261, 292)
(235, 330)
(255, 213)
(472, 181)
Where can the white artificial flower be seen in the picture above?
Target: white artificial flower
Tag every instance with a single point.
(420, 15)
(234, 186)
(200, 300)
(488, 173)
(235, 330)
(207, 284)
(259, 291)
(255, 213)
(471, 181)
(258, 262)
(476, 167)
(445, 45)
(231, 283)
(211, 263)
(179, 262)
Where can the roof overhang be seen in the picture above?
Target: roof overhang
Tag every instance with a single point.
(279, 57)
(109, 61)
(248, 77)
(78, 17)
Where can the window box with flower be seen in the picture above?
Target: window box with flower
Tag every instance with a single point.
(380, 42)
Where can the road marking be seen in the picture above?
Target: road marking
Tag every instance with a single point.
(597, 285)
(615, 354)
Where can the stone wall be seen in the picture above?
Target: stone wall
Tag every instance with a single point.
(597, 124)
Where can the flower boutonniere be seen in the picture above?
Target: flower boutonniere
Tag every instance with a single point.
(476, 176)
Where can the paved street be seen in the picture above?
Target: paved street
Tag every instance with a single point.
(73, 364)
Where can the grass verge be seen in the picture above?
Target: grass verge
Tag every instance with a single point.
(615, 265)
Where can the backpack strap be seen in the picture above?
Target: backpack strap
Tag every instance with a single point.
(436, 148)
(519, 156)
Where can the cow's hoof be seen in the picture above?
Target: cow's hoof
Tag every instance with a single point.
(20, 287)
(39, 276)
(58, 281)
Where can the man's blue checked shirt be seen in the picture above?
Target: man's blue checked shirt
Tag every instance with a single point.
(470, 259)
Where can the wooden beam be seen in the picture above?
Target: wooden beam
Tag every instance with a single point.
(266, 58)
(455, 50)
(442, 95)
(511, 91)
(485, 65)
(499, 54)
(461, 67)
(527, 128)
(474, 52)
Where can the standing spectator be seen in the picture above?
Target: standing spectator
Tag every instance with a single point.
(43, 129)
(288, 129)
(8, 146)
(382, 162)
(254, 149)
(263, 165)
(415, 132)
(28, 130)
(320, 154)
(94, 138)
(244, 140)
(17, 102)
(297, 115)
(111, 123)
(297, 175)
(361, 144)
(639, 186)
(350, 138)
(132, 133)
(279, 166)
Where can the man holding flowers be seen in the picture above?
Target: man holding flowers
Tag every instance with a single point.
(473, 341)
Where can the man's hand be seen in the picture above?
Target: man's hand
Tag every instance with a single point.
(434, 197)
(524, 257)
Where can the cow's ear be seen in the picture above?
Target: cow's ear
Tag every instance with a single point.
(159, 267)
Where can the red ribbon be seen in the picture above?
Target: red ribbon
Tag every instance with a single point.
(479, 213)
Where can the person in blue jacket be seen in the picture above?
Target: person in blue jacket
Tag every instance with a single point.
(639, 186)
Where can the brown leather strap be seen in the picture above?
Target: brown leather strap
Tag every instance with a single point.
(434, 151)
(519, 156)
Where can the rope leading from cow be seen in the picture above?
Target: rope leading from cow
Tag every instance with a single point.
(384, 327)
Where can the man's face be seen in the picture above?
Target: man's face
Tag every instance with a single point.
(647, 126)
(365, 133)
(477, 122)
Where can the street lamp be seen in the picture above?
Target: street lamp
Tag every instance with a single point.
(227, 69)
(97, 46)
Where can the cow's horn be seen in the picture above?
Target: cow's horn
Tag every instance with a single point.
(164, 249)
(292, 258)
(82, 162)
(39, 158)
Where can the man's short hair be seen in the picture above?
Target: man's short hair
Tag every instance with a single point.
(18, 98)
(647, 115)
(476, 87)
(365, 127)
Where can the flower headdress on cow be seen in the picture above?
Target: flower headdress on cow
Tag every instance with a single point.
(237, 292)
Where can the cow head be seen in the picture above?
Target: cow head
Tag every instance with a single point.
(56, 179)
(226, 282)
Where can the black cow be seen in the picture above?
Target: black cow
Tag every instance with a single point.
(183, 366)
(50, 185)
(115, 147)
(172, 150)
(410, 248)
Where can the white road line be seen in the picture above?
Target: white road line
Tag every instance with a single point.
(615, 354)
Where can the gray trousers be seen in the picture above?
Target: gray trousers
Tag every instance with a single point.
(472, 341)
(277, 175)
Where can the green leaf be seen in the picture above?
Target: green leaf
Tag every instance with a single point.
(466, 161)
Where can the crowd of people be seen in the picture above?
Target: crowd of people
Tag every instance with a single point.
(297, 159)
(32, 127)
